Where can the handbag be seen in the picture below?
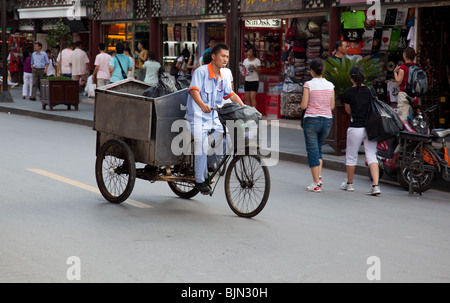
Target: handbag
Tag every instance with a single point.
(382, 122)
(124, 74)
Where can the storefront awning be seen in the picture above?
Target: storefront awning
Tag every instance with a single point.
(73, 12)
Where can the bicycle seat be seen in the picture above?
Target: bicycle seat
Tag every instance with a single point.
(440, 132)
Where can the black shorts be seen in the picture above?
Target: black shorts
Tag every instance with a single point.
(251, 86)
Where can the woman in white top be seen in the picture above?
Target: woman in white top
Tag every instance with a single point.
(127, 52)
(181, 62)
(251, 69)
(151, 67)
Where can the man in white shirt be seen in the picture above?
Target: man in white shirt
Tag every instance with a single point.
(63, 61)
(101, 75)
(80, 64)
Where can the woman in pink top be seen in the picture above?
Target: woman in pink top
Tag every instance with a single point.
(318, 102)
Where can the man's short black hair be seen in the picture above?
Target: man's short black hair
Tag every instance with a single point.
(218, 47)
(102, 46)
(120, 48)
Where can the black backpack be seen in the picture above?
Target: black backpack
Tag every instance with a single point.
(417, 81)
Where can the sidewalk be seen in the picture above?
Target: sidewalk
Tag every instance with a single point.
(291, 140)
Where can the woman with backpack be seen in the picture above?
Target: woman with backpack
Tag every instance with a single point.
(401, 74)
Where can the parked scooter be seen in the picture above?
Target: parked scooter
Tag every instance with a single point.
(387, 151)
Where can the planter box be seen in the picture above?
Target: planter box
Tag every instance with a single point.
(55, 92)
(337, 138)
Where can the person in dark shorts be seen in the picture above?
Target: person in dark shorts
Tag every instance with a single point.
(251, 68)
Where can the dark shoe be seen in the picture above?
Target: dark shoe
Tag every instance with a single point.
(23, 97)
(32, 99)
(203, 188)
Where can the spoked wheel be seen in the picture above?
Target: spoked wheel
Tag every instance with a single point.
(414, 172)
(247, 185)
(115, 170)
(183, 189)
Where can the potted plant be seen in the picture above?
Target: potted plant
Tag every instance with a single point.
(59, 90)
(338, 73)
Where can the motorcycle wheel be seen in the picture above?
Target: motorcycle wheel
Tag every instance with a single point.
(415, 172)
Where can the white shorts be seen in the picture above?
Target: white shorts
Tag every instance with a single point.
(356, 136)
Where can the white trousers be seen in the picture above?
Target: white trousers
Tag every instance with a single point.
(356, 136)
(27, 84)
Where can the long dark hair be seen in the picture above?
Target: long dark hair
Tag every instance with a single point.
(357, 75)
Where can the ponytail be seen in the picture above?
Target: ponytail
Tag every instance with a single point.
(357, 75)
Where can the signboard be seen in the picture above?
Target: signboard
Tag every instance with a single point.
(263, 23)
(117, 9)
(250, 6)
(182, 7)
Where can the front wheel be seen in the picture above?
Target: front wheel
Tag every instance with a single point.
(247, 185)
(115, 170)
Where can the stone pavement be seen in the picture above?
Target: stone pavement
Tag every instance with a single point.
(291, 140)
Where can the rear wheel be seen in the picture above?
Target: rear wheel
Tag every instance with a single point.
(183, 189)
(247, 185)
(414, 171)
(115, 170)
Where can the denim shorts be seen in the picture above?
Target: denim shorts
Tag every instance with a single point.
(316, 130)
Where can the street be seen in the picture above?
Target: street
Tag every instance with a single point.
(56, 227)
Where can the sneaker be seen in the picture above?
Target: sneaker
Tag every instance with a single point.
(203, 188)
(314, 188)
(347, 186)
(374, 190)
(320, 181)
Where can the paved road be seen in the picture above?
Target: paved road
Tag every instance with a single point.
(54, 226)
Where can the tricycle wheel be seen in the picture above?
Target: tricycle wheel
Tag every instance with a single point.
(247, 185)
(115, 170)
(183, 189)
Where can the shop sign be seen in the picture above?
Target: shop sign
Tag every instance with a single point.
(182, 7)
(263, 23)
(250, 6)
(117, 9)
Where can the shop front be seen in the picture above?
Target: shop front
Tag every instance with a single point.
(286, 37)
(189, 25)
(387, 29)
(120, 25)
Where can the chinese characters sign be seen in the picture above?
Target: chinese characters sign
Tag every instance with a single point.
(181, 7)
(117, 9)
(249, 6)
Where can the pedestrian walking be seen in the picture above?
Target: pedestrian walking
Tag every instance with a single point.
(151, 67)
(119, 65)
(357, 102)
(63, 61)
(182, 62)
(251, 68)
(193, 62)
(80, 65)
(318, 102)
(39, 64)
(27, 75)
(51, 64)
(127, 52)
(142, 56)
(101, 74)
(206, 91)
(401, 74)
(211, 43)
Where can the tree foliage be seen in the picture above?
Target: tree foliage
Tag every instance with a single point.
(338, 71)
(60, 35)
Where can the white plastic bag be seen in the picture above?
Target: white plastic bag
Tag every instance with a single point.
(91, 90)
